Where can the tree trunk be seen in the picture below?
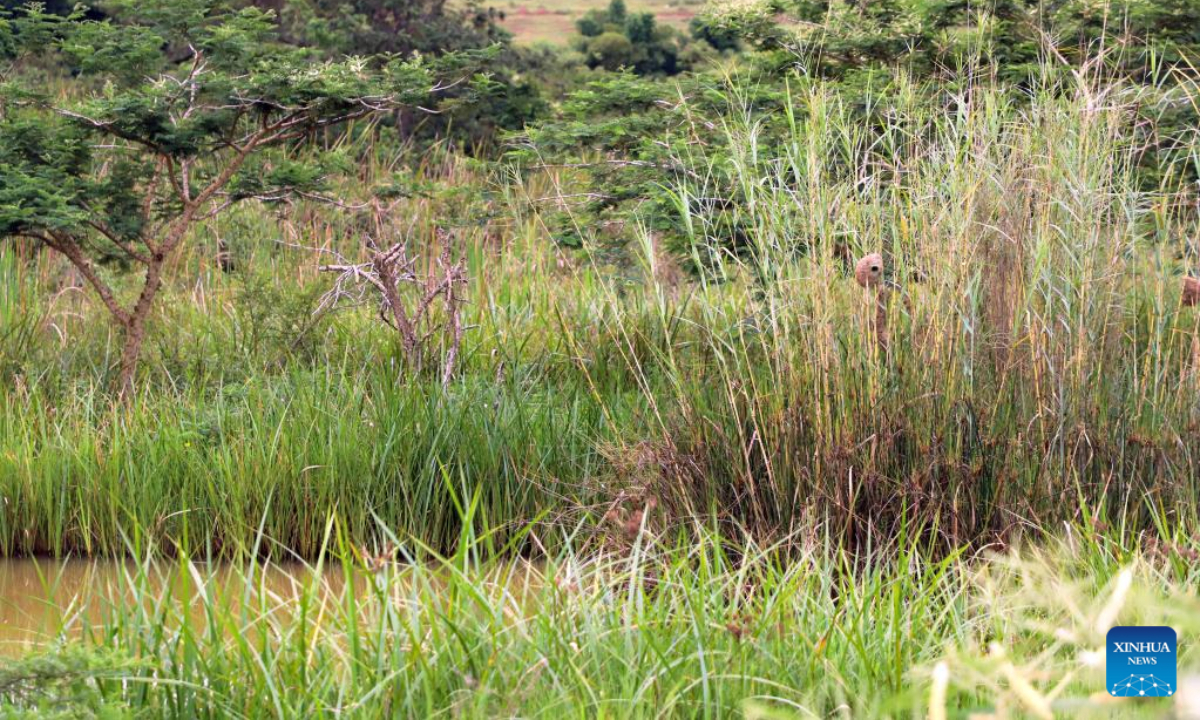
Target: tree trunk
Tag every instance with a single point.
(135, 333)
(135, 328)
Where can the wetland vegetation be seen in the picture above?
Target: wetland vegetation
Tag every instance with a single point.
(472, 379)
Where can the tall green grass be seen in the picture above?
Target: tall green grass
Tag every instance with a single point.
(1038, 367)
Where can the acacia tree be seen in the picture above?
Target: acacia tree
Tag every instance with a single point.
(180, 109)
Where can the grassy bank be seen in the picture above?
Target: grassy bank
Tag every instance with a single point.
(706, 630)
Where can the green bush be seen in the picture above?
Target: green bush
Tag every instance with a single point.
(613, 38)
(610, 50)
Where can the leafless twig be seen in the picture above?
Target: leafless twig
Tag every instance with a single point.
(407, 297)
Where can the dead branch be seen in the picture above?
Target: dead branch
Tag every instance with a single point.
(407, 297)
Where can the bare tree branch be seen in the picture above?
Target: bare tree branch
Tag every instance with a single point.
(70, 249)
(388, 272)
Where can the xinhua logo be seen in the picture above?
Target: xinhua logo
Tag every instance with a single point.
(1141, 662)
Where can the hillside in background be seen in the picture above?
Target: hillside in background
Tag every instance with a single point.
(553, 21)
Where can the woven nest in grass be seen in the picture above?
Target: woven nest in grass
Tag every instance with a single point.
(869, 271)
(1191, 291)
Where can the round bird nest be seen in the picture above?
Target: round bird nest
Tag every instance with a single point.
(1191, 291)
(869, 271)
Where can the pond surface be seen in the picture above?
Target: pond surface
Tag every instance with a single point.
(42, 599)
(45, 599)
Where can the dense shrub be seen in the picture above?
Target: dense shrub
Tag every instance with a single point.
(613, 38)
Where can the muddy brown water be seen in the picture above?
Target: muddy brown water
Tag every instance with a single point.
(45, 599)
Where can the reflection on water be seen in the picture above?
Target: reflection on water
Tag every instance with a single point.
(42, 599)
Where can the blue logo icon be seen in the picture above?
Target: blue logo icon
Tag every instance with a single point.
(1141, 662)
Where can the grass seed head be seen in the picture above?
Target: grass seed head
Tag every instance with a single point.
(1187, 700)
(937, 691)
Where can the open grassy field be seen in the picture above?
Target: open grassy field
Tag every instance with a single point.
(553, 21)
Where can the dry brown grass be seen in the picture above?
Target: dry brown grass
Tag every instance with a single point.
(553, 21)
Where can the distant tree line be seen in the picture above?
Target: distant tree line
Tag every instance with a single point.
(613, 38)
(837, 39)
